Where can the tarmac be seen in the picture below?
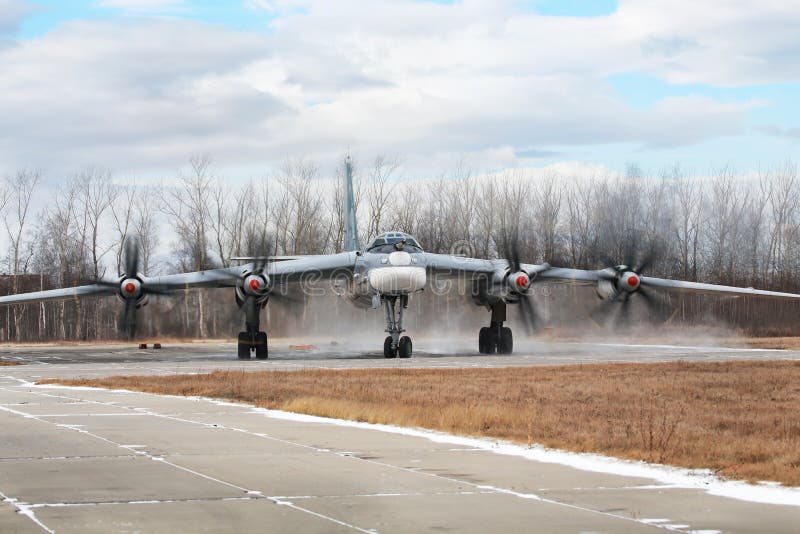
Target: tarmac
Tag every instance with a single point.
(83, 460)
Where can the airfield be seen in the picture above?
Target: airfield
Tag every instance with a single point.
(85, 460)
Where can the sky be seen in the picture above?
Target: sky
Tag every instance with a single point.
(141, 86)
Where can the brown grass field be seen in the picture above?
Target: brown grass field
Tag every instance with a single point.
(740, 419)
(6, 363)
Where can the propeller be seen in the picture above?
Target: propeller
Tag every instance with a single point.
(256, 284)
(521, 282)
(130, 286)
(627, 280)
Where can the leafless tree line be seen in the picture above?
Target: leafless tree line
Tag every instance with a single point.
(723, 228)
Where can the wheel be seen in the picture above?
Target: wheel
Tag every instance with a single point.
(405, 347)
(262, 352)
(483, 341)
(505, 345)
(244, 346)
(388, 351)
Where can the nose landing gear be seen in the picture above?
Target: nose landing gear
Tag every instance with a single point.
(395, 346)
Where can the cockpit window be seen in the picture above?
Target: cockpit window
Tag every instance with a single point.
(393, 241)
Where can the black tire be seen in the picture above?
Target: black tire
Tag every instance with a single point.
(405, 347)
(505, 345)
(244, 346)
(262, 350)
(388, 351)
(485, 345)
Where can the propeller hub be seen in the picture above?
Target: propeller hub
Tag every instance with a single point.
(522, 281)
(629, 281)
(517, 282)
(256, 285)
(130, 288)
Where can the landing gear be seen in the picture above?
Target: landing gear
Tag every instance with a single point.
(485, 345)
(505, 342)
(394, 345)
(388, 350)
(253, 339)
(496, 338)
(404, 349)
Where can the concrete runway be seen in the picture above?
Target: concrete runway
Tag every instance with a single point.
(76, 460)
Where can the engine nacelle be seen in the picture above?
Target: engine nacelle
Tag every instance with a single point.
(626, 282)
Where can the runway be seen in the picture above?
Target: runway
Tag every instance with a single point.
(76, 460)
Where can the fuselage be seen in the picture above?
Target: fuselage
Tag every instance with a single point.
(392, 265)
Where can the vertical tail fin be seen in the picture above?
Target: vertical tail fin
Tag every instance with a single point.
(350, 227)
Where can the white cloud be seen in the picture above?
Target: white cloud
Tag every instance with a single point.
(420, 79)
(144, 6)
(11, 14)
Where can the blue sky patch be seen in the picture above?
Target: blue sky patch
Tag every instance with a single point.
(574, 8)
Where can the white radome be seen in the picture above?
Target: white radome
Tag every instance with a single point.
(401, 279)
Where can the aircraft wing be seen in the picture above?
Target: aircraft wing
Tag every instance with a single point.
(444, 266)
(156, 284)
(312, 268)
(560, 275)
(580, 276)
(67, 293)
(211, 278)
(696, 287)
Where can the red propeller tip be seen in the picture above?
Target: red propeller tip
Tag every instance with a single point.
(633, 281)
(522, 281)
(130, 287)
(254, 284)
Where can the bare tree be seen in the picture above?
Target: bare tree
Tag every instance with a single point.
(380, 190)
(689, 196)
(122, 214)
(19, 192)
(549, 193)
(187, 208)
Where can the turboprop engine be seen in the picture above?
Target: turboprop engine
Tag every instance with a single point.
(623, 281)
(256, 285)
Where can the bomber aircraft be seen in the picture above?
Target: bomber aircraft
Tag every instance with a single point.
(384, 275)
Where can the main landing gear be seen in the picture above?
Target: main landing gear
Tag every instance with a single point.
(395, 346)
(496, 338)
(253, 339)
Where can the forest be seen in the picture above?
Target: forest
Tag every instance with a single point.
(722, 227)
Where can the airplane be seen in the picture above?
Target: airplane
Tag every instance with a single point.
(384, 274)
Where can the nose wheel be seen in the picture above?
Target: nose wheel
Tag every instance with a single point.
(404, 349)
(395, 346)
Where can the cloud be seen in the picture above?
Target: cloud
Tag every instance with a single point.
(144, 6)
(789, 133)
(11, 14)
(420, 79)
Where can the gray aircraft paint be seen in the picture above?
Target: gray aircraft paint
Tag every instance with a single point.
(351, 227)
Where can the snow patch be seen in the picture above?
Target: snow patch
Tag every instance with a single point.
(674, 477)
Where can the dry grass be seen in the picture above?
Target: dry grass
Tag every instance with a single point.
(7, 363)
(741, 419)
